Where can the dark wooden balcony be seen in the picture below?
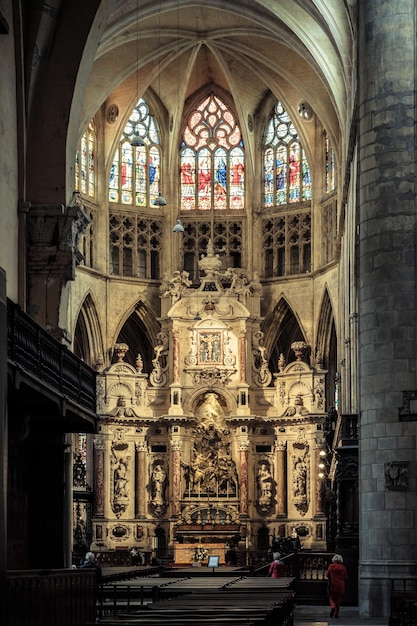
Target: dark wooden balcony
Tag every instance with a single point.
(49, 598)
(45, 378)
(349, 431)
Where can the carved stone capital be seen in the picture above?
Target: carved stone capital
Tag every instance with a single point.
(54, 233)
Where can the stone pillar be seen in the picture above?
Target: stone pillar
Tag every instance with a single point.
(386, 295)
(281, 478)
(140, 482)
(99, 448)
(244, 500)
(3, 445)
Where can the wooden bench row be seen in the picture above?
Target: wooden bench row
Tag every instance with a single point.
(275, 608)
(403, 602)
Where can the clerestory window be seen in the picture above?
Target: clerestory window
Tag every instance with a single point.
(85, 169)
(212, 159)
(135, 174)
(212, 180)
(286, 231)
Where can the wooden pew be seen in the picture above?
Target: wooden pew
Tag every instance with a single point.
(200, 601)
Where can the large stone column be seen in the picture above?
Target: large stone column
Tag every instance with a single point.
(3, 445)
(386, 297)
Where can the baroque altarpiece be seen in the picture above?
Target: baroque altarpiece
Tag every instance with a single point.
(210, 448)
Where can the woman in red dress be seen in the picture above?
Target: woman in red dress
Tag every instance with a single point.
(336, 575)
(277, 567)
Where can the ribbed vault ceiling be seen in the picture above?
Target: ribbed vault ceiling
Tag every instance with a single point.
(297, 50)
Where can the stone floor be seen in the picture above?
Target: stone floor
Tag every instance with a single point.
(319, 616)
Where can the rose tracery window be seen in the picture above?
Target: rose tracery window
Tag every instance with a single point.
(212, 159)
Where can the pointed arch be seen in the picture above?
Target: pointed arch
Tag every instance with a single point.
(326, 345)
(196, 396)
(324, 326)
(282, 328)
(212, 160)
(88, 339)
(139, 331)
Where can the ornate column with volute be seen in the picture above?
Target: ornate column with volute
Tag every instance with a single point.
(176, 475)
(281, 477)
(318, 484)
(99, 448)
(244, 497)
(140, 486)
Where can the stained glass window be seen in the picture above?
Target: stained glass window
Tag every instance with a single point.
(135, 173)
(212, 159)
(330, 175)
(85, 163)
(286, 171)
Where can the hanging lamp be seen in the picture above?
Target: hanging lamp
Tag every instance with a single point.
(178, 228)
(160, 200)
(137, 140)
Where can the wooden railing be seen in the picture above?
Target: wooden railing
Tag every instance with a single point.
(51, 598)
(36, 353)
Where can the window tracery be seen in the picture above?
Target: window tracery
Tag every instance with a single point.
(135, 245)
(330, 172)
(286, 242)
(212, 161)
(135, 173)
(287, 176)
(286, 234)
(85, 169)
(226, 236)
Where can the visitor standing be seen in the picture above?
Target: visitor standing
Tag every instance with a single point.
(336, 575)
(277, 567)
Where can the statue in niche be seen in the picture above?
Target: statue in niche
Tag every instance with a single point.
(265, 486)
(210, 413)
(121, 410)
(264, 483)
(121, 472)
(158, 485)
(120, 477)
(300, 482)
(212, 470)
